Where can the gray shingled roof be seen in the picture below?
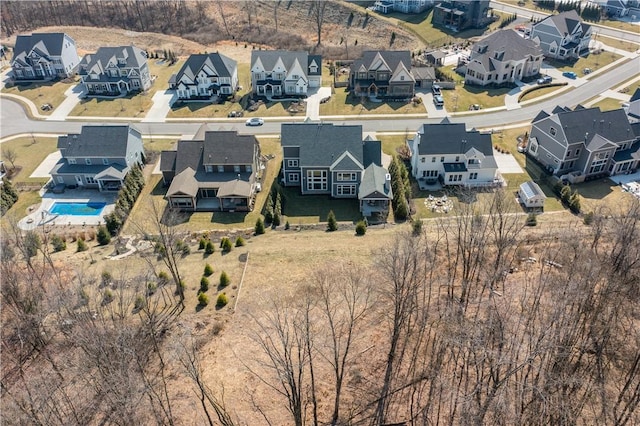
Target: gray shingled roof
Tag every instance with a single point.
(318, 59)
(184, 183)
(167, 161)
(270, 57)
(503, 46)
(134, 58)
(321, 144)
(223, 65)
(98, 141)
(391, 57)
(438, 139)
(228, 147)
(236, 187)
(373, 183)
(189, 155)
(565, 22)
(423, 73)
(116, 171)
(50, 43)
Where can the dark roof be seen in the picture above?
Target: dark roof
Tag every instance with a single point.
(565, 22)
(503, 46)
(391, 57)
(167, 161)
(374, 184)
(318, 60)
(438, 139)
(269, 58)
(223, 65)
(228, 147)
(635, 96)
(321, 144)
(589, 122)
(184, 183)
(372, 152)
(627, 154)
(99, 141)
(188, 155)
(97, 62)
(52, 43)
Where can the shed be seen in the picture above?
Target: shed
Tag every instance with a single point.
(531, 196)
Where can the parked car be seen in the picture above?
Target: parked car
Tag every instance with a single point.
(570, 74)
(545, 80)
(586, 71)
(255, 121)
(438, 100)
(436, 89)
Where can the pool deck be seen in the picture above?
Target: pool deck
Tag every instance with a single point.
(41, 215)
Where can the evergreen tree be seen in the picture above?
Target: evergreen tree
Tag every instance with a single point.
(332, 223)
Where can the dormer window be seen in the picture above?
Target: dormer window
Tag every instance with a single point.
(71, 160)
(552, 130)
(105, 161)
(87, 161)
(236, 169)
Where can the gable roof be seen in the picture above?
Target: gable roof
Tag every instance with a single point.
(321, 144)
(503, 46)
(390, 58)
(184, 183)
(531, 189)
(269, 58)
(453, 138)
(565, 22)
(99, 141)
(50, 44)
(374, 183)
(228, 147)
(97, 62)
(222, 64)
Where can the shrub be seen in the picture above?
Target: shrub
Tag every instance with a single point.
(259, 229)
(204, 284)
(82, 246)
(588, 218)
(276, 219)
(183, 247)
(226, 245)
(139, 303)
(58, 243)
(574, 202)
(222, 300)
(208, 270)
(565, 194)
(209, 248)
(203, 299)
(224, 279)
(416, 226)
(106, 278)
(202, 243)
(113, 223)
(361, 228)
(32, 243)
(151, 288)
(240, 242)
(107, 296)
(332, 223)
(287, 226)
(91, 235)
(163, 277)
(532, 220)
(103, 235)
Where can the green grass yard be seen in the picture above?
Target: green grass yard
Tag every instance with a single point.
(342, 103)
(608, 104)
(42, 93)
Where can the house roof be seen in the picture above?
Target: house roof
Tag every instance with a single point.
(423, 73)
(167, 161)
(372, 152)
(585, 123)
(453, 138)
(235, 187)
(565, 22)
(99, 141)
(321, 144)
(389, 58)
(228, 147)
(114, 171)
(318, 60)
(184, 183)
(223, 66)
(269, 58)
(503, 46)
(97, 62)
(374, 183)
(635, 96)
(531, 189)
(49, 44)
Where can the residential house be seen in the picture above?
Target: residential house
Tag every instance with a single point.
(450, 154)
(280, 72)
(620, 8)
(632, 108)
(215, 171)
(584, 143)
(115, 71)
(98, 157)
(383, 73)
(3, 171)
(463, 14)
(562, 36)
(326, 159)
(503, 57)
(205, 77)
(531, 196)
(44, 56)
(403, 6)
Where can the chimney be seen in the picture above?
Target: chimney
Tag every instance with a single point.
(387, 181)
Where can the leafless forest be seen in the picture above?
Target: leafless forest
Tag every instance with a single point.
(470, 330)
(323, 26)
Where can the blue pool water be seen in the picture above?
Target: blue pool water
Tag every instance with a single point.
(77, 209)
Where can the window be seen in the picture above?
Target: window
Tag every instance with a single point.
(569, 153)
(208, 168)
(236, 169)
(346, 190)
(472, 161)
(316, 180)
(422, 160)
(294, 177)
(473, 176)
(442, 159)
(552, 130)
(60, 179)
(87, 161)
(292, 163)
(105, 161)
(90, 180)
(248, 168)
(433, 159)
(71, 160)
(221, 169)
(457, 158)
(578, 151)
(345, 177)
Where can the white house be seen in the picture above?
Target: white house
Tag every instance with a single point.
(452, 155)
(531, 196)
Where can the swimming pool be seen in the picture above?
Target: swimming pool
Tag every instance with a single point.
(77, 208)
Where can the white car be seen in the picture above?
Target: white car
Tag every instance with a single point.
(255, 121)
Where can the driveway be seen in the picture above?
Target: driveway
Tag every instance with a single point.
(73, 95)
(507, 163)
(42, 171)
(432, 110)
(313, 101)
(162, 101)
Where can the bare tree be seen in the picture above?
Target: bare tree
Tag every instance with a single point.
(10, 155)
(317, 11)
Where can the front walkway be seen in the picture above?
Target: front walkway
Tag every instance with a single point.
(73, 96)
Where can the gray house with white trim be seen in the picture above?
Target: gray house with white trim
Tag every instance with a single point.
(205, 77)
(562, 36)
(281, 72)
(115, 71)
(99, 157)
(584, 142)
(44, 56)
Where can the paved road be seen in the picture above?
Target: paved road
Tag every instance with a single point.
(14, 121)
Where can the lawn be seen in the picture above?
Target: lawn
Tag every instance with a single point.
(627, 45)
(311, 209)
(342, 103)
(463, 96)
(20, 209)
(541, 91)
(608, 104)
(42, 93)
(593, 61)
(29, 154)
(390, 143)
(134, 105)
(154, 191)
